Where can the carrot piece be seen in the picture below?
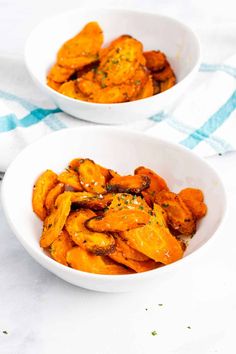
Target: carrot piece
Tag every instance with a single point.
(95, 242)
(179, 217)
(60, 247)
(70, 178)
(80, 259)
(157, 183)
(194, 200)
(59, 74)
(155, 60)
(82, 49)
(52, 196)
(54, 223)
(116, 221)
(128, 184)
(91, 178)
(70, 89)
(46, 181)
(154, 239)
(128, 201)
(53, 84)
(90, 200)
(122, 255)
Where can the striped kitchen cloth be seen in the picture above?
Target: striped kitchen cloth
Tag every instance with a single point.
(204, 120)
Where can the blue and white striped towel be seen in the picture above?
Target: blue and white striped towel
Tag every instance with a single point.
(204, 120)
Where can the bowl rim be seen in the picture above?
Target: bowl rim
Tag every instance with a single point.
(117, 10)
(49, 263)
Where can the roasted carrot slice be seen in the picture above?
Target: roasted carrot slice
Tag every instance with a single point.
(91, 178)
(155, 60)
(54, 223)
(70, 178)
(178, 215)
(118, 220)
(194, 200)
(80, 259)
(147, 90)
(120, 61)
(59, 74)
(60, 247)
(122, 255)
(164, 74)
(52, 196)
(82, 49)
(157, 183)
(167, 84)
(95, 242)
(123, 201)
(46, 181)
(70, 89)
(155, 240)
(53, 84)
(91, 201)
(128, 184)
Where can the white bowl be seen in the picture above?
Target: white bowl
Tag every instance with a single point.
(155, 32)
(122, 151)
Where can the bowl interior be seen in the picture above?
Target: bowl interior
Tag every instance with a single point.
(117, 149)
(154, 31)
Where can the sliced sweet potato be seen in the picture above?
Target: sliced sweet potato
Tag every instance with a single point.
(157, 183)
(60, 74)
(54, 223)
(194, 200)
(155, 60)
(52, 196)
(70, 178)
(45, 182)
(178, 215)
(118, 220)
(80, 259)
(60, 247)
(95, 242)
(82, 49)
(120, 61)
(155, 240)
(128, 184)
(91, 178)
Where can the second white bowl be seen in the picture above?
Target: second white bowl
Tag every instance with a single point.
(156, 32)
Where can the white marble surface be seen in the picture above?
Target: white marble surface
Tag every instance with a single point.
(42, 314)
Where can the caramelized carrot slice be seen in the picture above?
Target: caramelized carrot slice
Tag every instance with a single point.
(95, 242)
(194, 200)
(122, 201)
(54, 223)
(70, 178)
(178, 215)
(90, 177)
(52, 196)
(60, 247)
(59, 74)
(45, 182)
(80, 259)
(90, 200)
(122, 255)
(128, 184)
(155, 240)
(116, 221)
(82, 49)
(155, 60)
(157, 183)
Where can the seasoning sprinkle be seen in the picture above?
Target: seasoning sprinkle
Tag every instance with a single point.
(154, 333)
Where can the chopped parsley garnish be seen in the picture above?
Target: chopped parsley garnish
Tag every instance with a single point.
(165, 205)
(160, 304)
(154, 333)
(141, 207)
(4, 332)
(189, 327)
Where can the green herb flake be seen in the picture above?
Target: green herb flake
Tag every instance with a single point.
(146, 309)
(141, 207)
(137, 82)
(160, 304)
(4, 332)
(154, 333)
(189, 327)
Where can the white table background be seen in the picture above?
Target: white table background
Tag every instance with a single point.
(42, 314)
